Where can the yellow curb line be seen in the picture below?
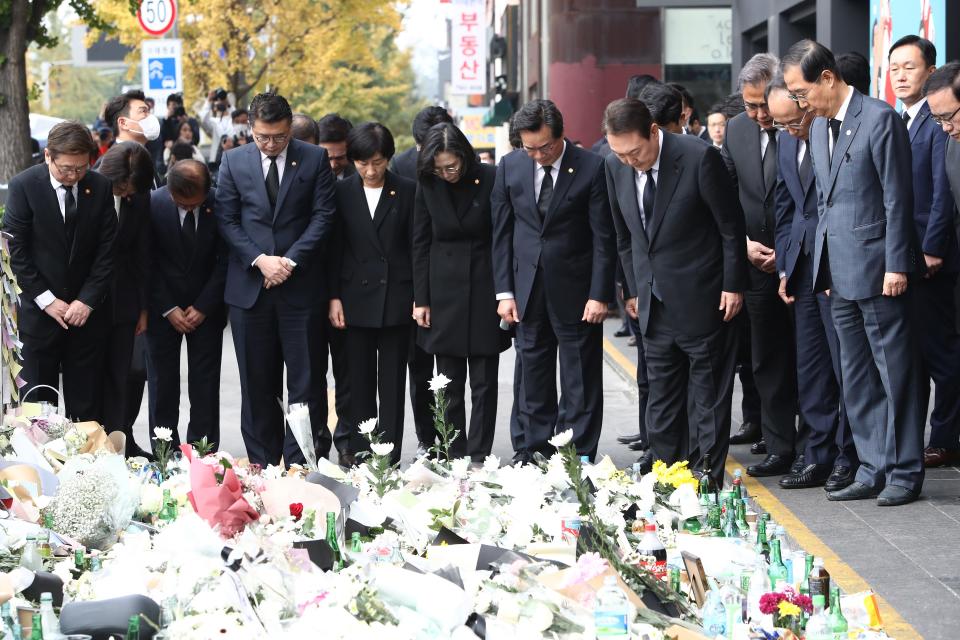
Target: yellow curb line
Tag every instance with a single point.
(841, 573)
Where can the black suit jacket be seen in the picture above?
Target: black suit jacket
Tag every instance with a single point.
(573, 246)
(39, 255)
(296, 229)
(693, 244)
(178, 279)
(404, 164)
(131, 249)
(453, 266)
(371, 271)
(796, 201)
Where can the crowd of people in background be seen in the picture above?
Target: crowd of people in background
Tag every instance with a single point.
(801, 236)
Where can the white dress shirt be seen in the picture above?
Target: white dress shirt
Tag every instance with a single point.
(116, 205)
(841, 114)
(801, 151)
(45, 298)
(764, 141)
(373, 198)
(913, 111)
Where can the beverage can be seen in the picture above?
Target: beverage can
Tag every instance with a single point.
(570, 529)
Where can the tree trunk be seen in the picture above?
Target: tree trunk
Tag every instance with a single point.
(14, 108)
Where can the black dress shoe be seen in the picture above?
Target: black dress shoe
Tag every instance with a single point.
(840, 478)
(772, 465)
(894, 496)
(133, 450)
(347, 460)
(798, 464)
(630, 439)
(646, 462)
(522, 457)
(811, 475)
(856, 491)
(621, 333)
(759, 448)
(749, 433)
(639, 445)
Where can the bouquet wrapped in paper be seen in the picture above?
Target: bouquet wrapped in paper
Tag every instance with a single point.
(218, 498)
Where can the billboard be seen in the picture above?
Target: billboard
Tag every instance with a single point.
(890, 20)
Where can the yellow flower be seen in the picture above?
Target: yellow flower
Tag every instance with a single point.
(788, 608)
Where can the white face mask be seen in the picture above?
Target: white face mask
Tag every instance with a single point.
(149, 127)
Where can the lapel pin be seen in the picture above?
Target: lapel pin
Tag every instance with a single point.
(393, 193)
(570, 170)
(293, 163)
(476, 181)
(848, 131)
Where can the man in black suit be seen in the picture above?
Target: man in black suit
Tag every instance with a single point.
(129, 167)
(680, 238)
(62, 222)
(830, 456)
(553, 268)
(275, 207)
(189, 267)
(750, 153)
(419, 362)
(332, 132)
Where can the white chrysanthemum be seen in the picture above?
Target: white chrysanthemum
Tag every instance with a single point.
(163, 433)
(439, 382)
(367, 426)
(382, 448)
(561, 439)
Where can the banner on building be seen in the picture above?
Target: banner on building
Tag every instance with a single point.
(468, 44)
(890, 20)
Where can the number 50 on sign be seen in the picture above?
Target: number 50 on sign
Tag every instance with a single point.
(157, 16)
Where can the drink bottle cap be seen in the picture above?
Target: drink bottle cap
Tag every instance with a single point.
(650, 527)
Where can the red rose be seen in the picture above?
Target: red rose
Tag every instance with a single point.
(296, 510)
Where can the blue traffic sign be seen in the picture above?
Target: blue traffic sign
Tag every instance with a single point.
(162, 73)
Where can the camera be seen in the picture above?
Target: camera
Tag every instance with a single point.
(220, 93)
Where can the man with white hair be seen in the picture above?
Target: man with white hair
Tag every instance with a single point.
(750, 152)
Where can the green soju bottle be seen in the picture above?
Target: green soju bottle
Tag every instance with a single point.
(838, 624)
(133, 628)
(332, 540)
(778, 570)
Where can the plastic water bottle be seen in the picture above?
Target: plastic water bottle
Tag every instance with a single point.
(714, 615)
(48, 618)
(818, 626)
(612, 613)
(30, 559)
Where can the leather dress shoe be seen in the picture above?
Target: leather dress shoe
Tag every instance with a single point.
(894, 496)
(346, 460)
(772, 465)
(811, 475)
(646, 462)
(639, 445)
(630, 439)
(133, 450)
(798, 464)
(522, 457)
(937, 457)
(621, 333)
(759, 448)
(748, 434)
(856, 491)
(840, 478)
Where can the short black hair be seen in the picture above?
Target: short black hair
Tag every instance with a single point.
(70, 138)
(927, 49)
(333, 128)
(686, 95)
(946, 77)
(119, 107)
(128, 163)
(188, 178)
(855, 71)
(427, 118)
(537, 113)
(239, 112)
(445, 137)
(716, 107)
(664, 102)
(176, 98)
(627, 115)
(270, 108)
(182, 151)
(304, 128)
(813, 59)
(367, 140)
(694, 116)
(636, 84)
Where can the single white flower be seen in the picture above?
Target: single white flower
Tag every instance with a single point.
(561, 439)
(367, 426)
(382, 448)
(163, 433)
(439, 382)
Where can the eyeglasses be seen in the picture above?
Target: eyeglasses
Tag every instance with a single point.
(941, 119)
(544, 148)
(452, 170)
(750, 106)
(68, 171)
(279, 139)
(792, 126)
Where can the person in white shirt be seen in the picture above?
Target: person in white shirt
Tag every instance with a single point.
(217, 121)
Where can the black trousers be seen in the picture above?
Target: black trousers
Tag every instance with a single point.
(117, 356)
(420, 364)
(478, 441)
(541, 336)
(703, 367)
(78, 354)
(204, 351)
(935, 320)
(268, 336)
(643, 383)
(750, 402)
(337, 344)
(378, 361)
(773, 352)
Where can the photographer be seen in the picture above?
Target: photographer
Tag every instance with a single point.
(176, 115)
(216, 119)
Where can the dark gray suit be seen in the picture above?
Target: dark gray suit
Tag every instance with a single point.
(865, 203)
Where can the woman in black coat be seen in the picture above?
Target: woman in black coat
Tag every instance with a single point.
(455, 303)
(371, 287)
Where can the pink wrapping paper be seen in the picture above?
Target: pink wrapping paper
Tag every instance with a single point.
(221, 505)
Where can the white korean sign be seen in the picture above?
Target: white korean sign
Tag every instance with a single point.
(162, 69)
(469, 48)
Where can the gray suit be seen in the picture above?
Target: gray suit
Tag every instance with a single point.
(865, 202)
(953, 169)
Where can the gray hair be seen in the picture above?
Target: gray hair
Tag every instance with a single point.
(777, 84)
(759, 69)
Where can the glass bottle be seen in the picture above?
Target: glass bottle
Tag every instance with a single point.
(729, 521)
(759, 585)
(778, 570)
(762, 547)
(838, 623)
(168, 511)
(706, 489)
(133, 628)
(737, 485)
(355, 545)
(818, 628)
(819, 581)
(637, 473)
(743, 527)
(36, 628)
(805, 583)
(332, 540)
(30, 559)
(48, 618)
(7, 621)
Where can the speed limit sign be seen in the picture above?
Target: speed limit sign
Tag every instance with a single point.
(157, 16)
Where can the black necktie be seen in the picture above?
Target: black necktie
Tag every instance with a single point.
(835, 128)
(770, 160)
(69, 213)
(273, 183)
(805, 167)
(546, 192)
(906, 118)
(649, 198)
(188, 233)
